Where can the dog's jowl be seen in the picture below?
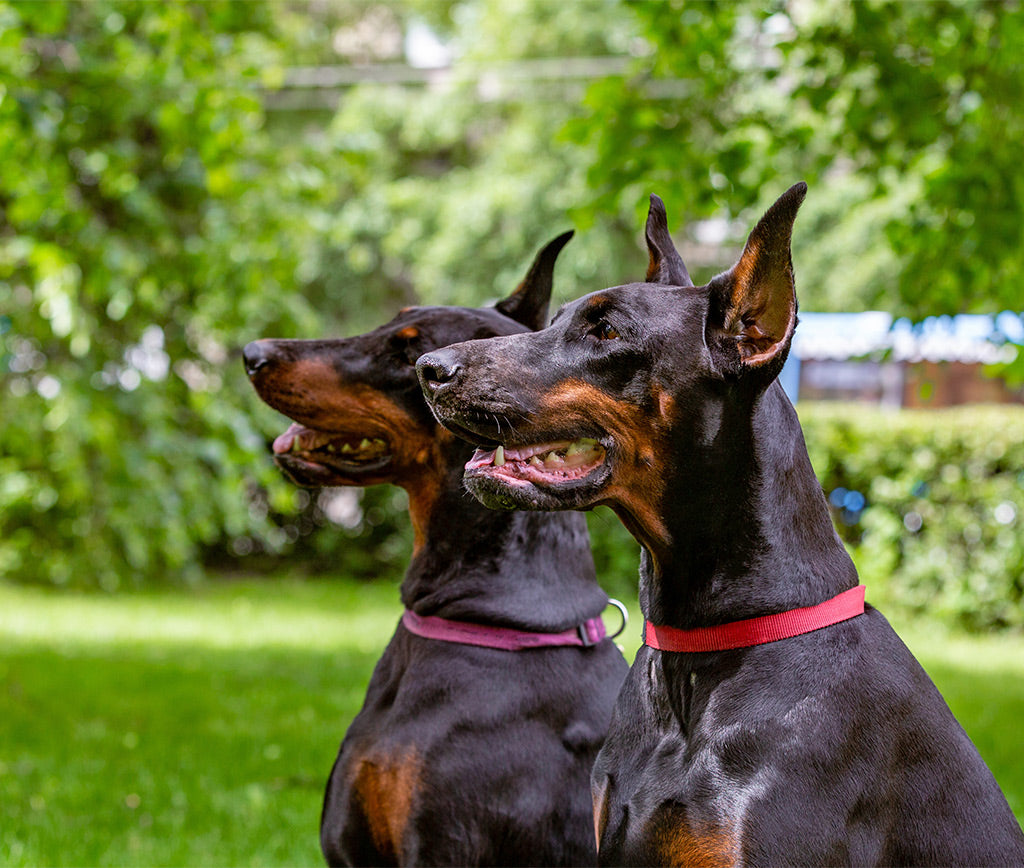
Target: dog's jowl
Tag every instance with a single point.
(484, 715)
(771, 718)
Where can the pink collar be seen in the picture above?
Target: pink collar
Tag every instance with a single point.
(503, 638)
(758, 631)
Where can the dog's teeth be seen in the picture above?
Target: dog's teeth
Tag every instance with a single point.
(499, 456)
(536, 462)
(330, 447)
(296, 445)
(379, 443)
(364, 444)
(552, 459)
(346, 448)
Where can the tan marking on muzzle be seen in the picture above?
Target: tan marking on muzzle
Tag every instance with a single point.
(638, 474)
(312, 392)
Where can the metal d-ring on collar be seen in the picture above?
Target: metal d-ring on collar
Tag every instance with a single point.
(623, 613)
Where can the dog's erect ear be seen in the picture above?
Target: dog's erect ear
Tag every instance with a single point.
(753, 305)
(666, 265)
(529, 303)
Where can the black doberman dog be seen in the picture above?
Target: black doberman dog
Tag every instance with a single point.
(660, 398)
(461, 755)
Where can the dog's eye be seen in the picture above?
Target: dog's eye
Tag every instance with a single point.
(605, 331)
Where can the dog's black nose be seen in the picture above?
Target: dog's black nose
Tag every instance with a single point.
(255, 355)
(437, 368)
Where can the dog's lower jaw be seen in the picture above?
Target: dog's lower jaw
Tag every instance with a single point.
(490, 494)
(502, 492)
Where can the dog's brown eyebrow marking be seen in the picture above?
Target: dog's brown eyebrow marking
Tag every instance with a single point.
(587, 308)
(408, 333)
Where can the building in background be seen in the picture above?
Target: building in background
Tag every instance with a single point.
(940, 362)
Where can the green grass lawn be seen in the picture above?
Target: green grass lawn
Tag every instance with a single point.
(198, 727)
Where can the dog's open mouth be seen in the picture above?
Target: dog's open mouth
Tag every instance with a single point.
(556, 474)
(546, 463)
(301, 448)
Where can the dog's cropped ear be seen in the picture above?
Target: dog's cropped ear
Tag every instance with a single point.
(529, 303)
(752, 311)
(665, 265)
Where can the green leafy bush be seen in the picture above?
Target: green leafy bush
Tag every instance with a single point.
(940, 528)
(155, 216)
(146, 222)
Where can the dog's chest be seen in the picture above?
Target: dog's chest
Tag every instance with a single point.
(680, 791)
(689, 809)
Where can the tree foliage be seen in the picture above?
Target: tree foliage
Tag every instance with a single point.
(157, 212)
(155, 216)
(145, 223)
(903, 116)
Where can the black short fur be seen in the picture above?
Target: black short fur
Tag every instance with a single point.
(460, 755)
(829, 748)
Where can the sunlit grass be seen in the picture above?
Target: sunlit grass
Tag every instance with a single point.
(179, 728)
(198, 727)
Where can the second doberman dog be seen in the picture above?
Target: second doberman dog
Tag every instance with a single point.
(770, 718)
(463, 754)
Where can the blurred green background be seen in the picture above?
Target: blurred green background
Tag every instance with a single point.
(177, 179)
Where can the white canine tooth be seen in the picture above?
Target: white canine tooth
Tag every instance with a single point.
(536, 462)
(499, 456)
(552, 459)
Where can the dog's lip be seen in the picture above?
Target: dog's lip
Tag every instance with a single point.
(332, 450)
(472, 437)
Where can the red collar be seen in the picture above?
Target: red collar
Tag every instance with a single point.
(588, 633)
(758, 631)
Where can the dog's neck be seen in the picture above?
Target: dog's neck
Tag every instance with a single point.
(528, 570)
(746, 528)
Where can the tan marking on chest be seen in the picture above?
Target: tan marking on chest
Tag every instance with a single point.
(681, 845)
(386, 789)
(599, 795)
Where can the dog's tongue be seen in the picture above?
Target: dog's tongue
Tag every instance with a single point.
(481, 458)
(284, 442)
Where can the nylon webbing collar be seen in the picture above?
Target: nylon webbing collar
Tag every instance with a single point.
(757, 631)
(588, 633)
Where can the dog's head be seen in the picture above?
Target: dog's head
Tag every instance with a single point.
(358, 414)
(628, 385)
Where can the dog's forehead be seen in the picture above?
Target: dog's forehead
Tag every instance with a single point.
(652, 301)
(450, 324)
